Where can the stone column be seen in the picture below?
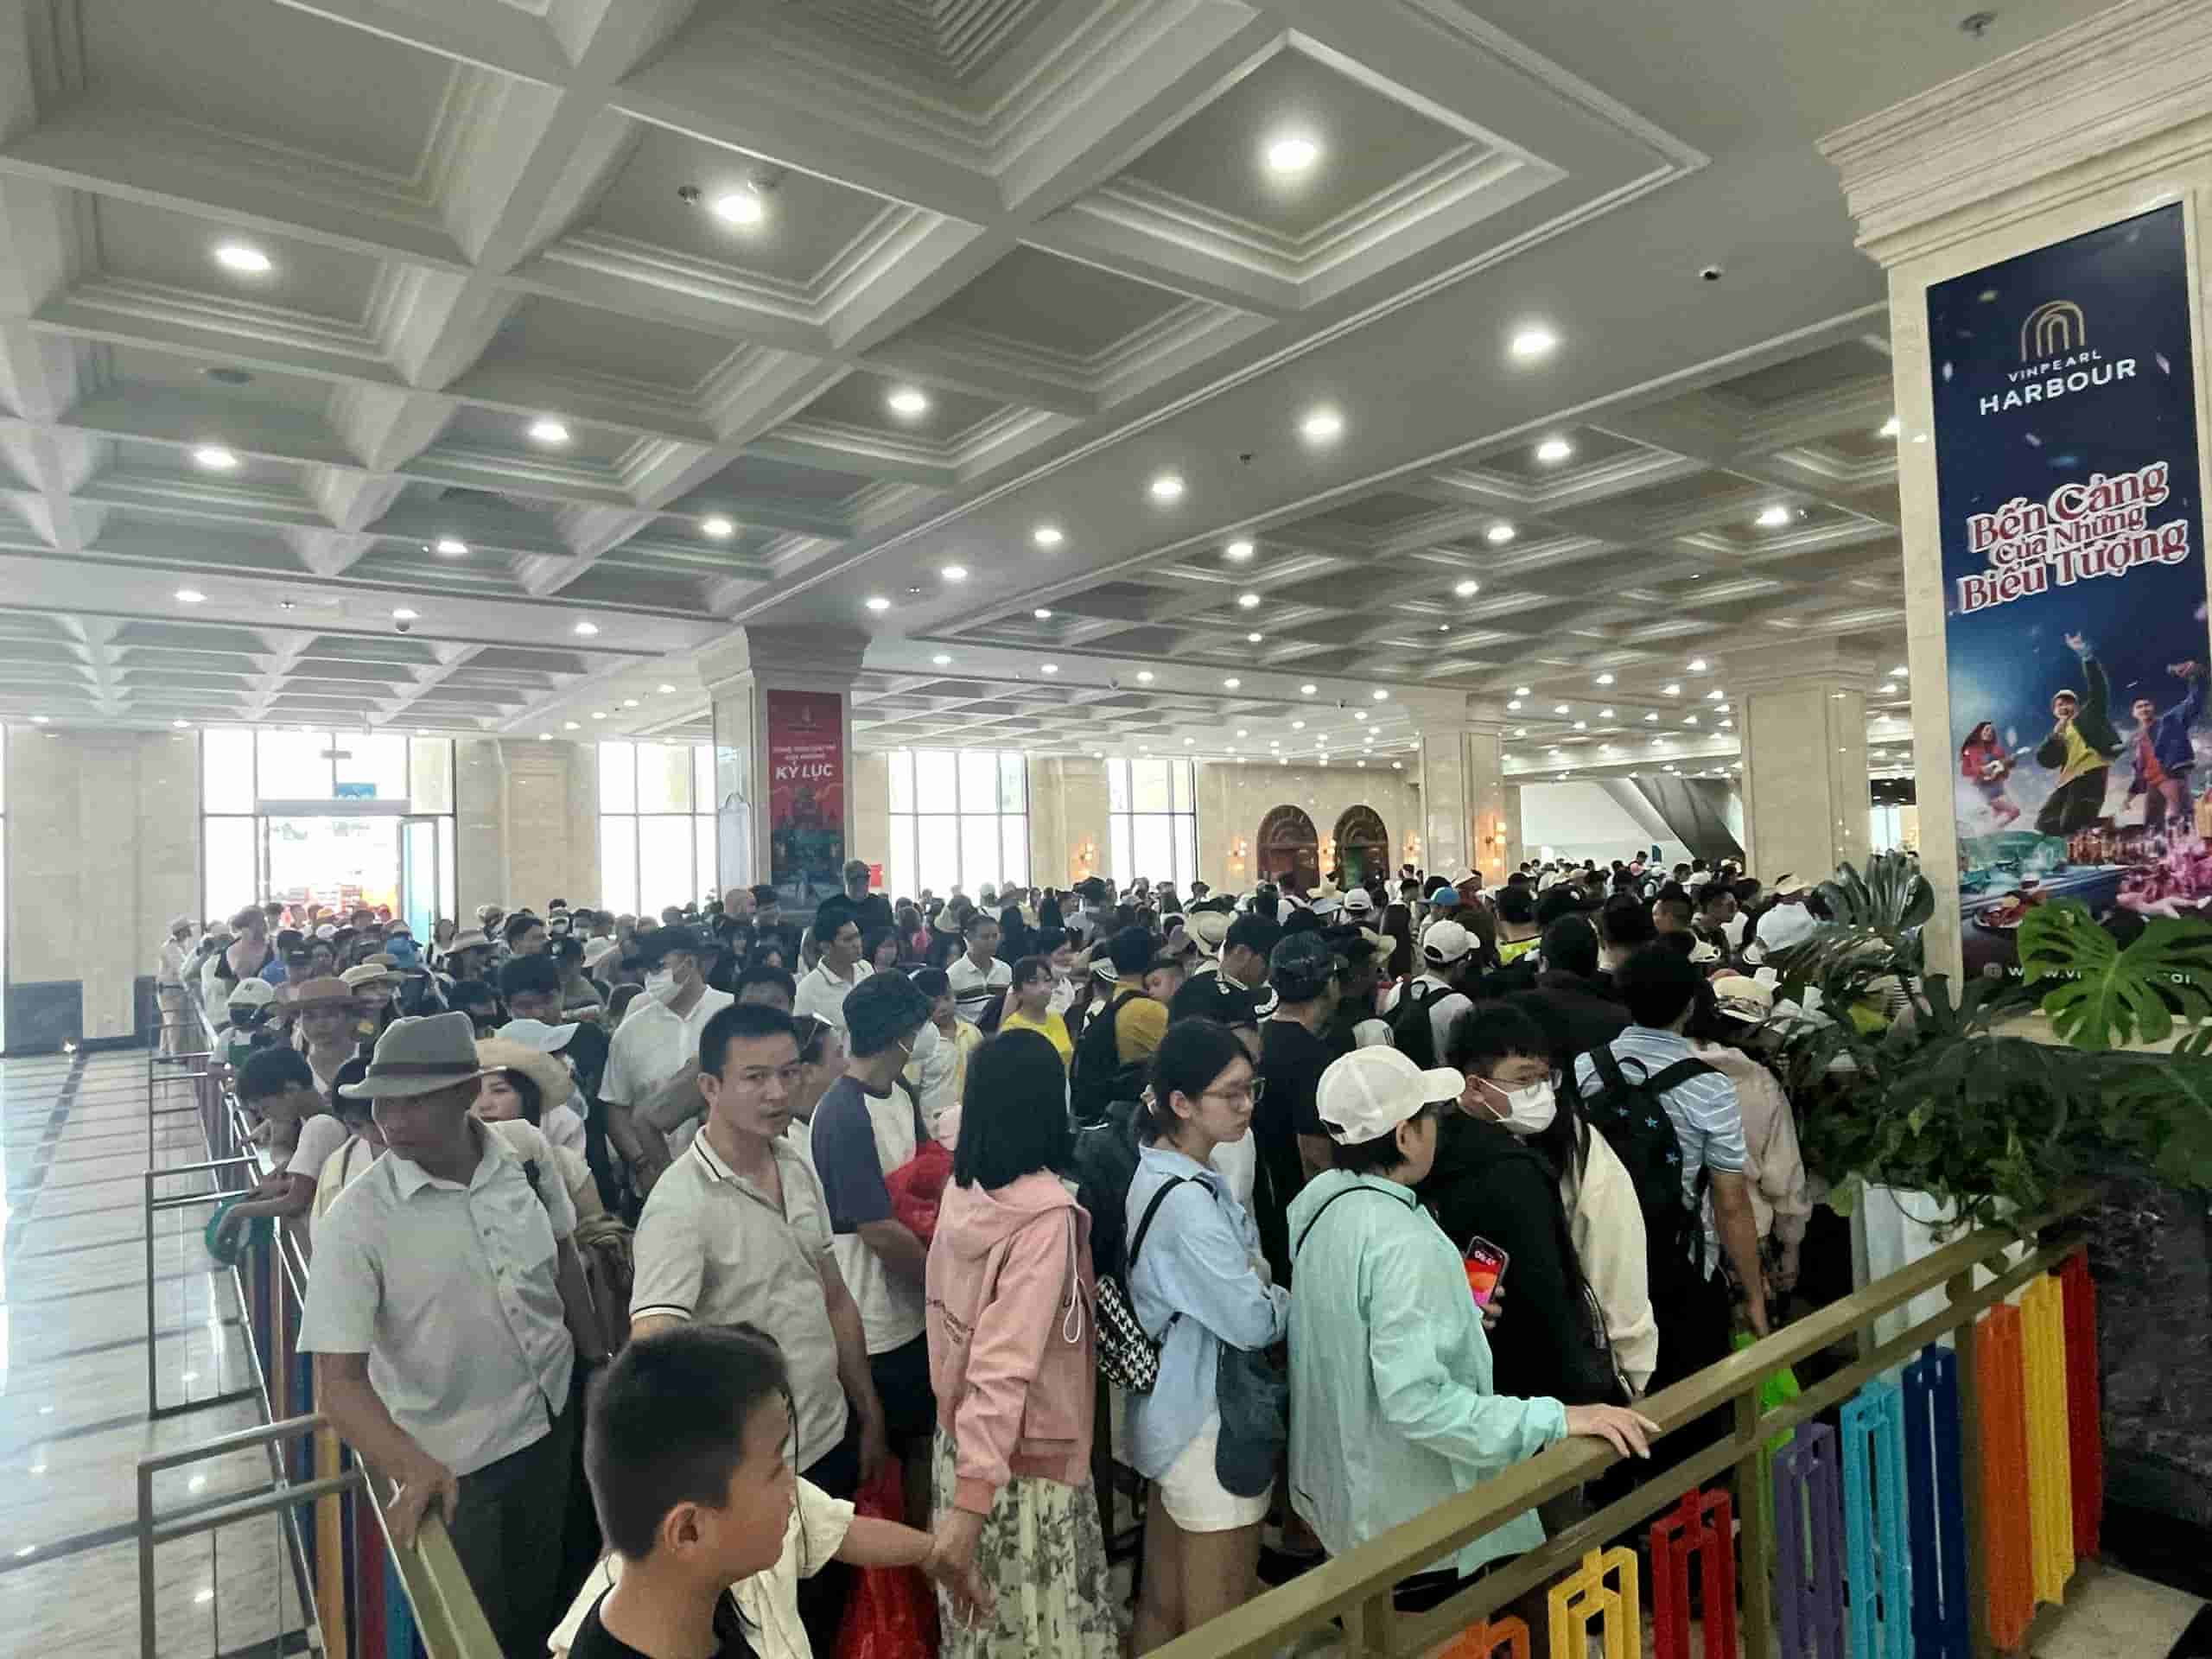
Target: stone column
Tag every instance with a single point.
(1806, 794)
(2093, 124)
(740, 672)
(1468, 821)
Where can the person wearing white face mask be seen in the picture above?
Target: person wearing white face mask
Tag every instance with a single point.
(652, 1087)
(1492, 1181)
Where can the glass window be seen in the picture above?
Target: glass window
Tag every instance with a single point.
(618, 864)
(658, 843)
(664, 778)
(375, 761)
(666, 844)
(293, 766)
(618, 781)
(228, 849)
(1152, 822)
(430, 787)
(702, 784)
(959, 819)
(226, 779)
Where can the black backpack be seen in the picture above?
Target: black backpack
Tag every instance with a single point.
(1630, 1112)
(1098, 1077)
(1411, 1033)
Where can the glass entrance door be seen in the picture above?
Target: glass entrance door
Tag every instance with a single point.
(334, 861)
(419, 875)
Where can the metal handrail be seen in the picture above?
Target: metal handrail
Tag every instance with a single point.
(1356, 1586)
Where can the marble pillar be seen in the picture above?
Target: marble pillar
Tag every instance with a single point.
(1468, 820)
(740, 672)
(2087, 126)
(1807, 797)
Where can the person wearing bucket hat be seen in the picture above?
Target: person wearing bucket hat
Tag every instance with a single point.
(1392, 1410)
(325, 1024)
(447, 1312)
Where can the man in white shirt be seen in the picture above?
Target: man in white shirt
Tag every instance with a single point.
(446, 1309)
(977, 977)
(822, 989)
(168, 983)
(652, 1087)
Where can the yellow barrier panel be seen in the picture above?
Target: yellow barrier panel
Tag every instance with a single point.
(2050, 1479)
(329, 1550)
(1583, 1594)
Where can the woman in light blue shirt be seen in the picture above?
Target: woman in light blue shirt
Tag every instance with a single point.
(1198, 1281)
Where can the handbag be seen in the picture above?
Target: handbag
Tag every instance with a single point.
(1252, 1396)
(1128, 1356)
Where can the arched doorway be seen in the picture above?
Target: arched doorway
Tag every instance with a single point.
(1362, 846)
(1287, 849)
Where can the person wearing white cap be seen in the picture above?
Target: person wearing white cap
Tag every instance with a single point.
(169, 982)
(1449, 962)
(1391, 1411)
(446, 1312)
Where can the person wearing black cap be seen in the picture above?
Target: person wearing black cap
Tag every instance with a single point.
(871, 910)
(1294, 1051)
(652, 1085)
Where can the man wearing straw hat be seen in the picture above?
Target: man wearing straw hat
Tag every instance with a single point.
(445, 1310)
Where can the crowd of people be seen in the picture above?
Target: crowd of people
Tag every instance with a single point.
(903, 1181)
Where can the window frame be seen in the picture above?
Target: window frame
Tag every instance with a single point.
(903, 873)
(1127, 823)
(702, 841)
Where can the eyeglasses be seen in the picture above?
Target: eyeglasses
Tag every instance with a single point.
(1250, 1093)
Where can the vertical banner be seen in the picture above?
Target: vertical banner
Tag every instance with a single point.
(2074, 578)
(806, 795)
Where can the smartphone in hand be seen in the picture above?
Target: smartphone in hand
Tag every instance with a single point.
(1485, 1264)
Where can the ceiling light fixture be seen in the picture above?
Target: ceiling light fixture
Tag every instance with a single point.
(1531, 343)
(1604, 714)
(940, 660)
(181, 724)
(599, 714)
(1604, 679)
(1042, 614)
(878, 602)
(1307, 689)
(548, 431)
(1551, 451)
(1889, 429)
(1167, 487)
(213, 457)
(1514, 704)
(451, 546)
(1254, 638)
(1773, 518)
(586, 629)
(1238, 552)
(1232, 683)
(403, 614)
(1360, 714)
(190, 596)
(1651, 717)
(665, 689)
(242, 257)
(1293, 153)
(1047, 536)
(1379, 695)
(1715, 695)
(1697, 665)
(1671, 689)
(38, 719)
(629, 703)
(1466, 589)
(1498, 535)
(1322, 426)
(742, 206)
(954, 573)
(1248, 601)
(718, 527)
(907, 402)
(1523, 691)
(1898, 672)
(1144, 677)
(570, 726)
(1297, 725)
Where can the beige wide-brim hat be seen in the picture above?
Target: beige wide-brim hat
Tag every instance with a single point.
(420, 1057)
(505, 1054)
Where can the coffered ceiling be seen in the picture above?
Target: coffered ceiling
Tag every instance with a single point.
(472, 365)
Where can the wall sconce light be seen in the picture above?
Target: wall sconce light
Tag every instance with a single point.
(1328, 850)
(1412, 849)
(1237, 848)
(1085, 863)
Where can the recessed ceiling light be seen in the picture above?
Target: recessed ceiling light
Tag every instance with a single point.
(38, 719)
(569, 726)
(1248, 601)
(665, 689)
(190, 596)
(1466, 589)
(1581, 725)
(1238, 552)
(1189, 741)
(1293, 153)
(422, 731)
(1144, 677)
(1604, 714)
(718, 527)
(907, 402)
(1671, 689)
(1513, 703)
(1522, 691)
(1360, 714)
(1532, 342)
(1698, 665)
(1168, 487)
(940, 660)
(403, 614)
(878, 602)
(1243, 731)
(1042, 614)
(1397, 765)
(742, 206)
(243, 257)
(1322, 425)
(1307, 689)
(1297, 725)
(586, 629)
(954, 573)
(599, 714)
(1604, 679)
(1715, 695)
(1232, 683)
(548, 431)
(1689, 720)
(1898, 672)
(1889, 429)
(1254, 638)
(1773, 518)
(1379, 695)
(213, 457)
(1728, 724)
(180, 724)
(1498, 535)
(1891, 690)
(1551, 451)
(1047, 536)
(451, 546)
(1559, 708)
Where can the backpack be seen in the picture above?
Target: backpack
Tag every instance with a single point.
(1411, 1033)
(1631, 1114)
(1103, 1161)
(1098, 1077)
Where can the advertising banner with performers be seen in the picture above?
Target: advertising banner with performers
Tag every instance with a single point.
(806, 795)
(2066, 452)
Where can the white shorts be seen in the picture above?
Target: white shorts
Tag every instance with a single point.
(1193, 1496)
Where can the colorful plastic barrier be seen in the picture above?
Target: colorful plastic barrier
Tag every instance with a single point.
(1487, 1640)
(1704, 1525)
(1603, 1589)
(2050, 1505)
(2084, 1407)
(1874, 1504)
(1808, 1545)
(1936, 1525)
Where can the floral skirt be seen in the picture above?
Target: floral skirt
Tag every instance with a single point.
(1044, 1557)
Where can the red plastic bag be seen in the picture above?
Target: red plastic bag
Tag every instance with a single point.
(892, 1613)
(916, 1187)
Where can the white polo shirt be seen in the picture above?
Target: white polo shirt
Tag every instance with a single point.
(822, 994)
(451, 1291)
(713, 1247)
(650, 1046)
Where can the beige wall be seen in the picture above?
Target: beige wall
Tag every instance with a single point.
(526, 816)
(868, 822)
(103, 849)
(1067, 815)
(1232, 799)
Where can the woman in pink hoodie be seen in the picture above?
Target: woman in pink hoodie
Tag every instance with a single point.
(1008, 1292)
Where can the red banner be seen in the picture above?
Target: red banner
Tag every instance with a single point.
(806, 794)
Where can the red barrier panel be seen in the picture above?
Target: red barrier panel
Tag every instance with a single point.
(1704, 1525)
(2085, 1404)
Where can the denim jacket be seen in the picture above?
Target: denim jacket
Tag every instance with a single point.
(1198, 1262)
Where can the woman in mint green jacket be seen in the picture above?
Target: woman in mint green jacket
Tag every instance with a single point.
(1391, 1411)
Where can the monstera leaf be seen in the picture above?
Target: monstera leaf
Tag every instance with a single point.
(1892, 899)
(2098, 994)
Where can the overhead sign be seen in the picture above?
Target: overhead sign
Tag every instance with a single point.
(354, 792)
(2066, 462)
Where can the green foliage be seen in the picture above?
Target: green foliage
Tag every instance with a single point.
(1873, 931)
(2098, 994)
